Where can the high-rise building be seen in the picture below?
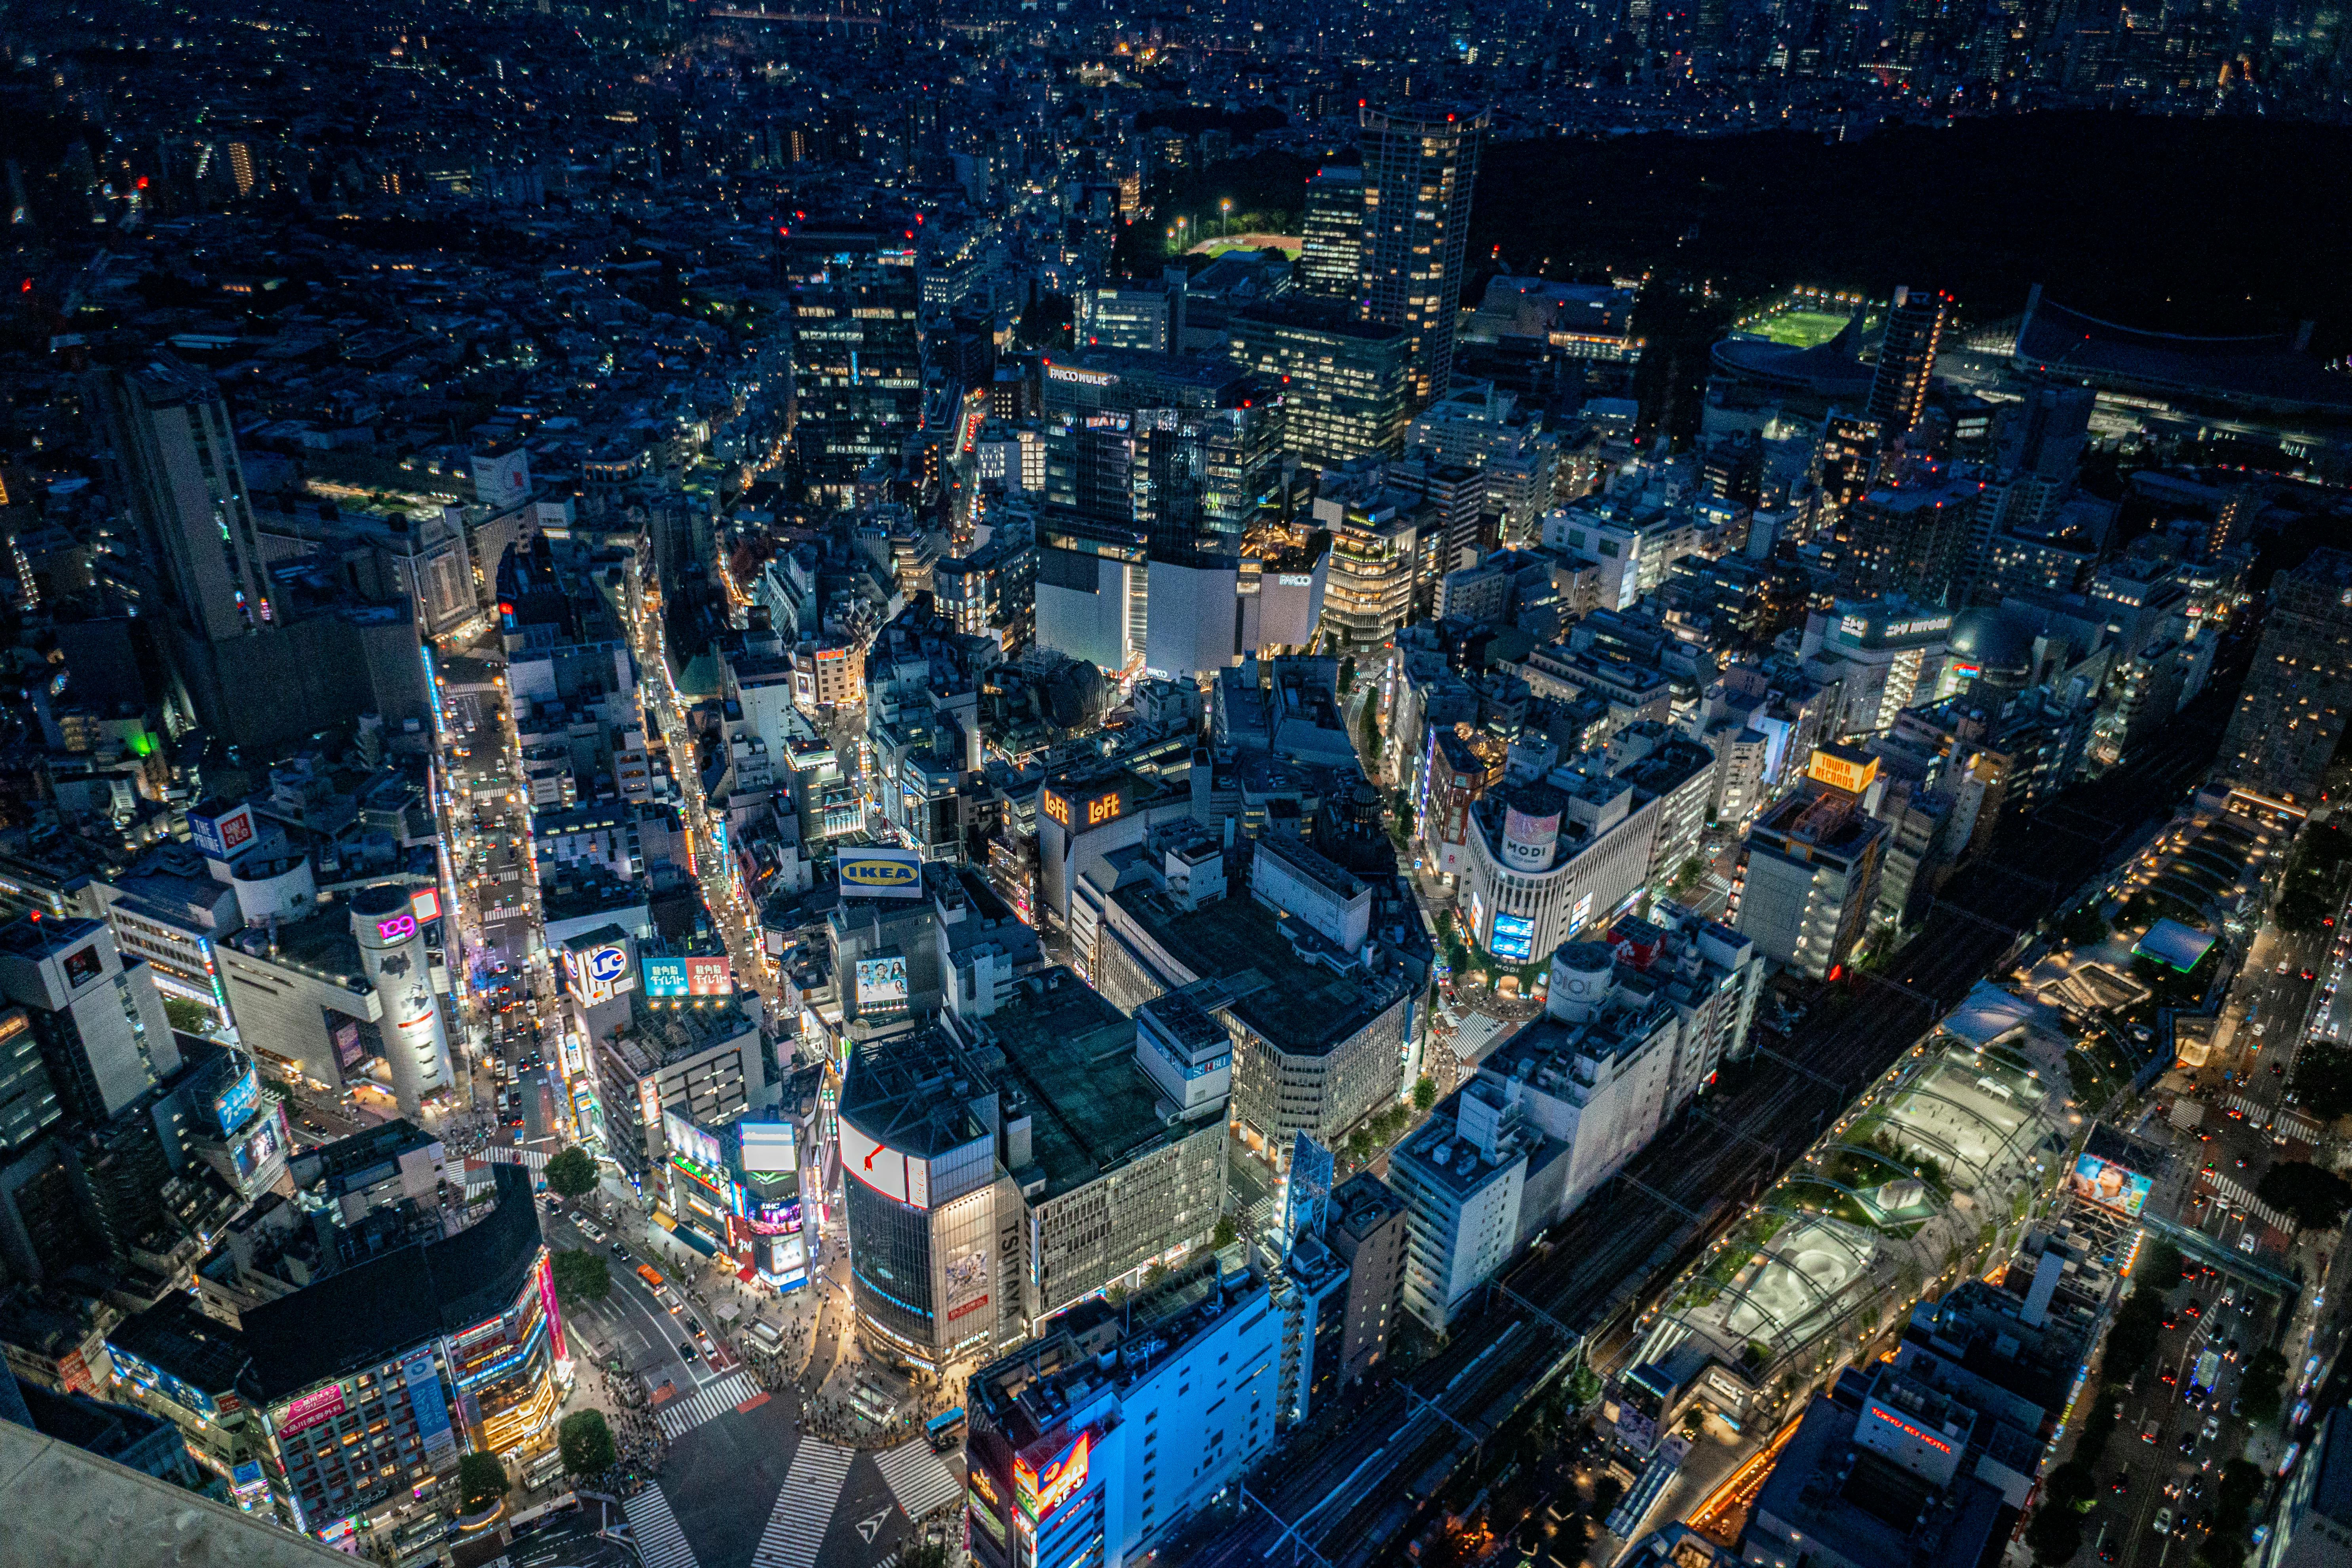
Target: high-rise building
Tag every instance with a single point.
(1808, 875)
(1421, 162)
(173, 466)
(1331, 255)
(858, 379)
(392, 951)
(1907, 361)
(1918, 540)
(104, 1036)
(1090, 1446)
(29, 1104)
(2291, 713)
(1844, 459)
(1343, 381)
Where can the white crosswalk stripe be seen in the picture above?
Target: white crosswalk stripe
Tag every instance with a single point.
(660, 1542)
(708, 1402)
(918, 1479)
(795, 1531)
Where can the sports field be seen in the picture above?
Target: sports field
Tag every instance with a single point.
(1287, 242)
(1798, 328)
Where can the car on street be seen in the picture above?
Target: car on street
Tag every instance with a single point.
(2163, 1522)
(686, 1351)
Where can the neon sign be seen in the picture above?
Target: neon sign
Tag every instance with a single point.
(399, 928)
(1040, 1494)
(1910, 1431)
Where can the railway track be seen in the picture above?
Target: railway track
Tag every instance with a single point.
(1349, 1505)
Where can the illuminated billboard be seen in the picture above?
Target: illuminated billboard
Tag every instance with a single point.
(235, 1104)
(1515, 938)
(881, 983)
(425, 903)
(222, 836)
(2097, 1180)
(687, 1139)
(886, 1171)
(1041, 1490)
(696, 974)
(881, 873)
(769, 1146)
(310, 1409)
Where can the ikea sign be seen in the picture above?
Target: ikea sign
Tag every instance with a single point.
(882, 873)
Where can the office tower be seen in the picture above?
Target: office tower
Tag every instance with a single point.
(1421, 162)
(1331, 258)
(1843, 462)
(1907, 361)
(1809, 868)
(1344, 381)
(2045, 435)
(1147, 314)
(104, 1036)
(2291, 713)
(28, 1105)
(1184, 451)
(858, 379)
(172, 470)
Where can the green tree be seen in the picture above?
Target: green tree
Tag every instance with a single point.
(1346, 674)
(2265, 1385)
(581, 1277)
(586, 1443)
(1225, 1235)
(2314, 1198)
(924, 1554)
(481, 1481)
(2323, 1079)
(1425, 1092)
(1047, 322)
(572, 1173)
(1367, 735)
(1687, 877)
(2160, 1263)
(188, 1017)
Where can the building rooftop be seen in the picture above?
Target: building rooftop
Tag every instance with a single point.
(320, 944)
(67, 1509)
(901, 1092)
(367, 1314)
(175, 1337)
(1302, 1007)
(1091, 1108)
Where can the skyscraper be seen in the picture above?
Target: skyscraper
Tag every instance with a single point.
(858, 379)
(1907, 361)
(1331, 257)
(1421, 162)
(2291, 713)
(172, 464)
(1344, 382)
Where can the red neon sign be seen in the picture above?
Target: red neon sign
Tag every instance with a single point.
(1908, 1430)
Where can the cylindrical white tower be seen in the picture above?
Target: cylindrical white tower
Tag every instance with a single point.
(1583, 981)
(392, 950)
(1532, 827)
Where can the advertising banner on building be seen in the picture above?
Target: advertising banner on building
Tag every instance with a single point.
(881, 984)
(2112, 1186)
(1044, 1487)
(769, 1146)
(431, 1407)
(319, 1404)
(881, 873)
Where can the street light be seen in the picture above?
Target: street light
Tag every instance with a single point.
(1224, 223)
